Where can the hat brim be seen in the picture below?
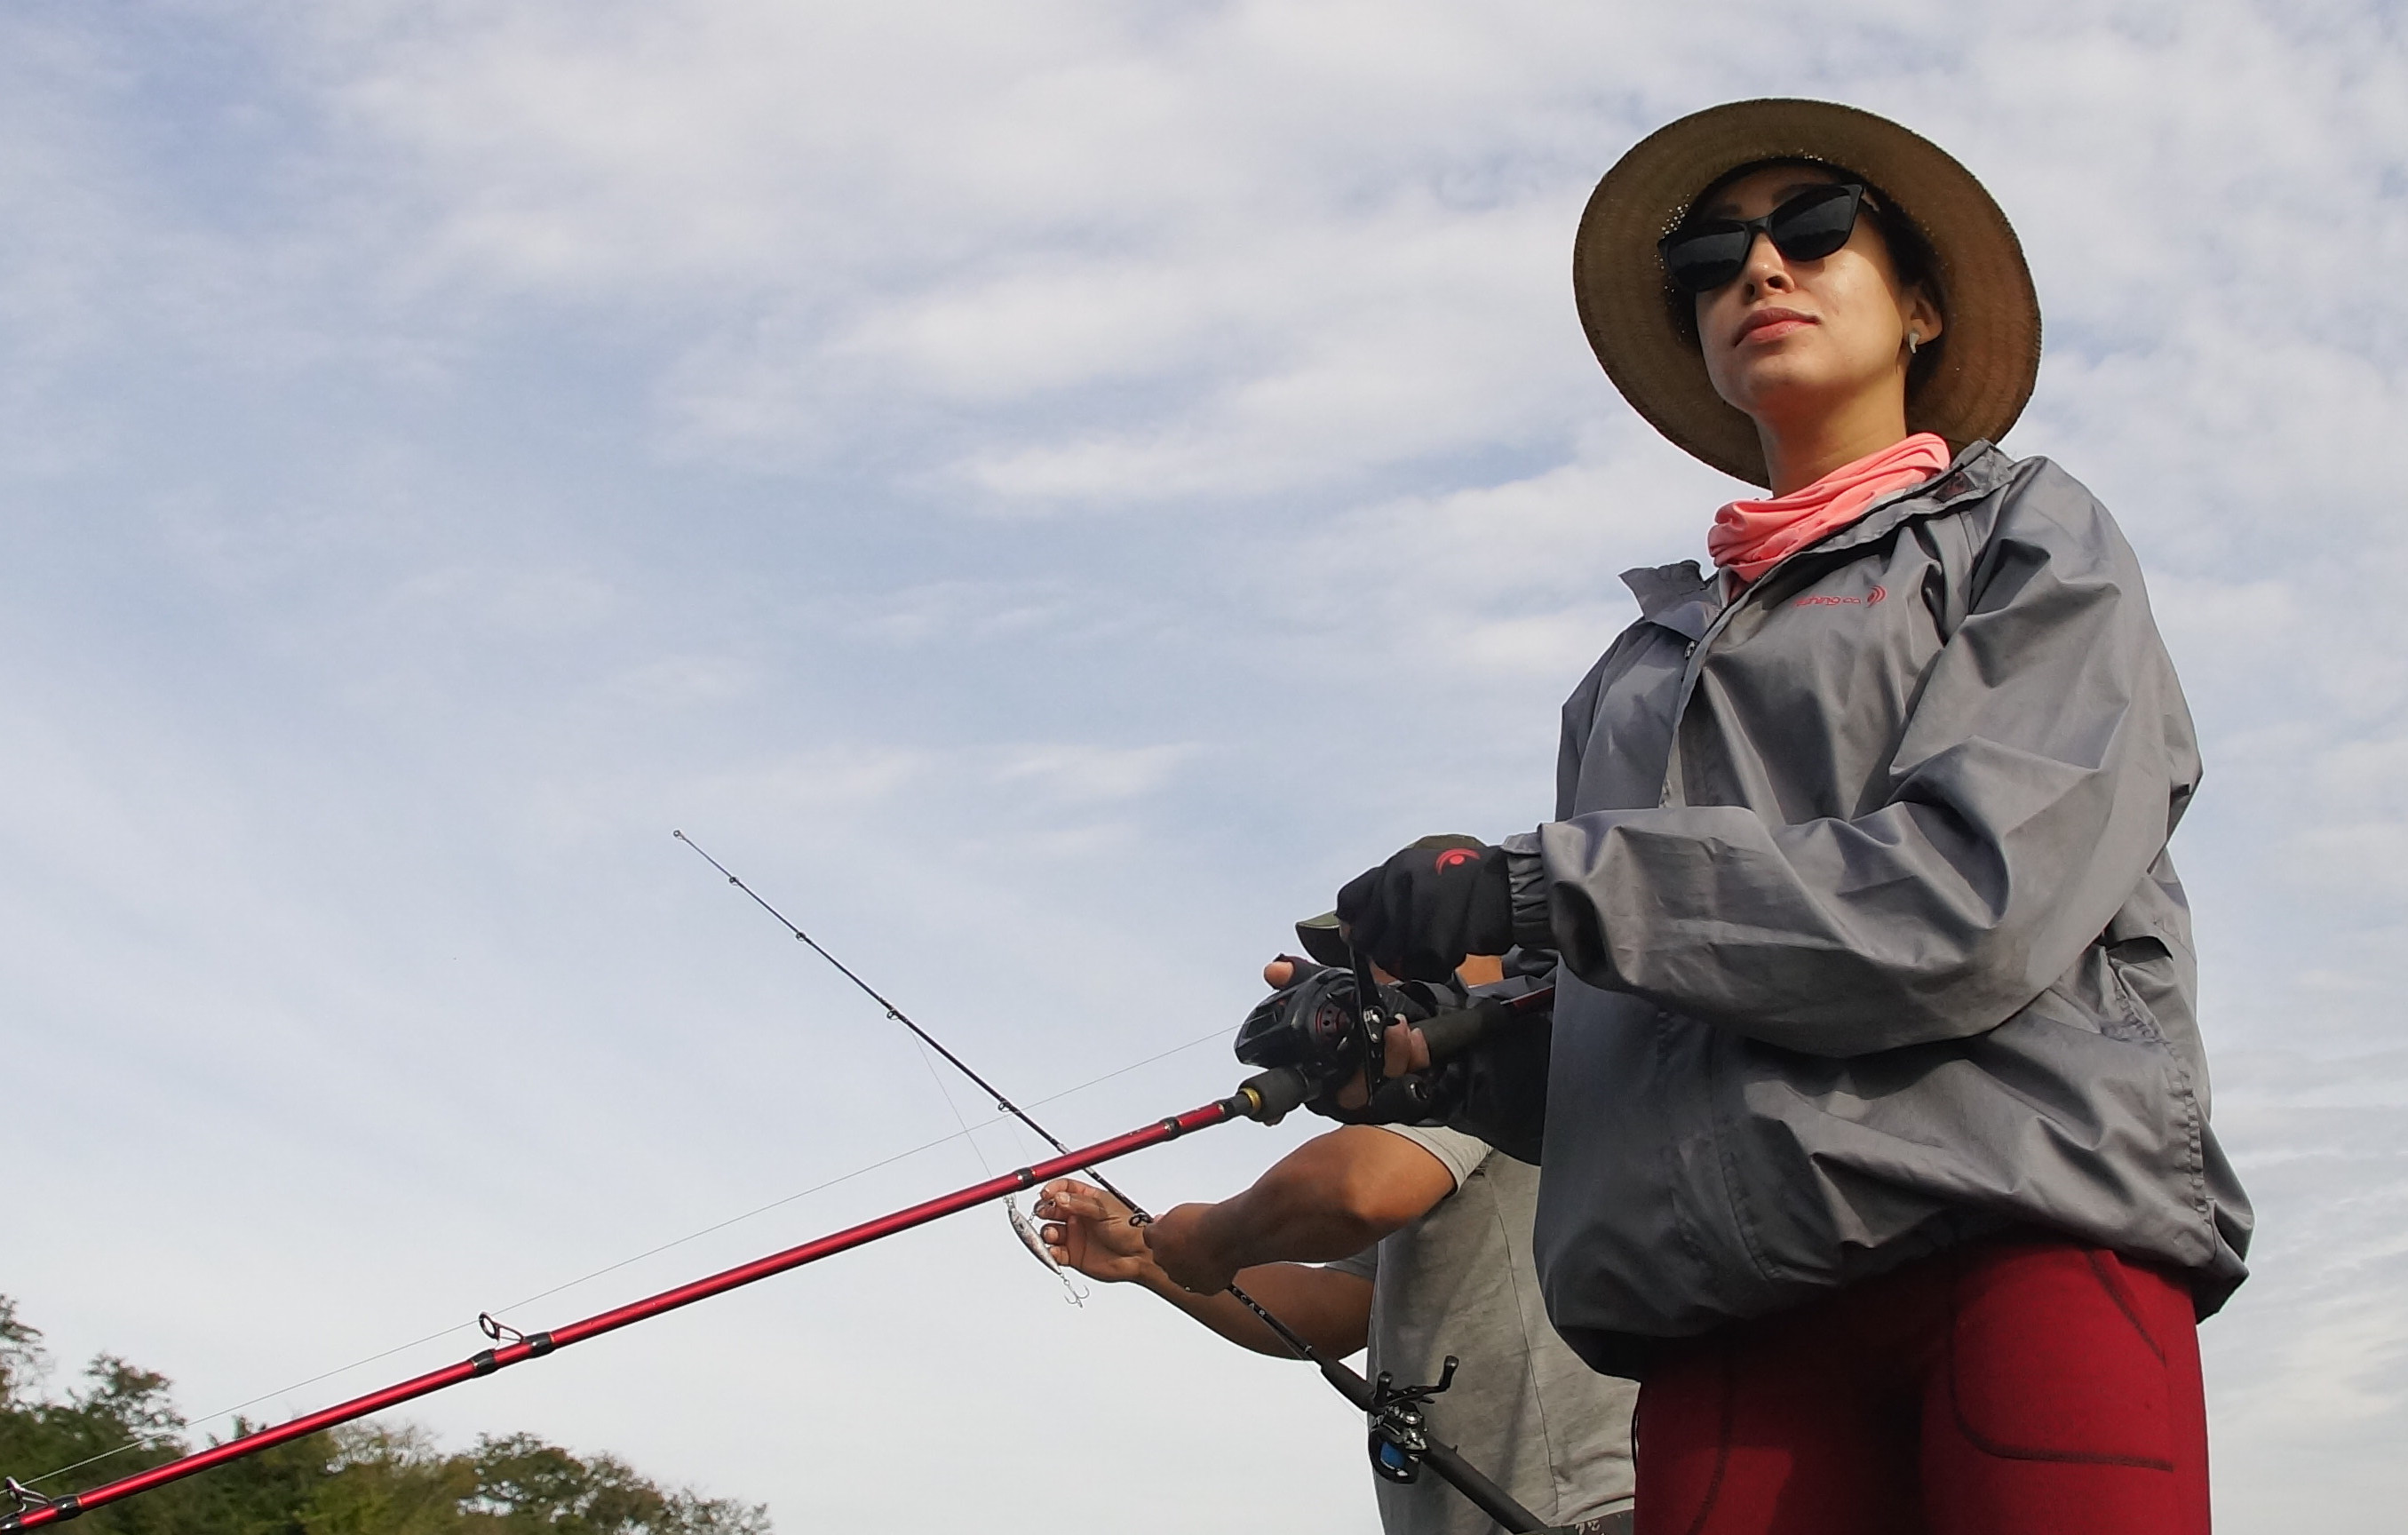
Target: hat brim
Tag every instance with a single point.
(1322, 942)
(1991, 356)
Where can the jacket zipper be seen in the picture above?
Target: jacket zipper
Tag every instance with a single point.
(1694, 657)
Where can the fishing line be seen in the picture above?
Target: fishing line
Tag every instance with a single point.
(1011, 1211)
(925, 1042)
(1001, 1102)
(1020, 1223)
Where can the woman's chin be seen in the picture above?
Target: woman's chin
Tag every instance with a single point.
(1777, 389)
(1780, 394)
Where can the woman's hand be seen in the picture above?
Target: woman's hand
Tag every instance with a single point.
(1421, 913)
(1087, 1230)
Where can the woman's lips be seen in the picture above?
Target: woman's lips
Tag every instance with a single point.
(1771, 324)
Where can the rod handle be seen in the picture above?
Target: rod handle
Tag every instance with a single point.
(1450, 1034)
(1268, 1095)
(1482, 1494)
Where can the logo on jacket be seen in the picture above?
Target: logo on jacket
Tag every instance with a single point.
(1456, 857)
(1877, 594)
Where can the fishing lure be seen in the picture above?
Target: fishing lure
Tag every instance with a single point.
(1030, 1238)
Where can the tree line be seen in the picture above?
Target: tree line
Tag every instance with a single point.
(361, 1478)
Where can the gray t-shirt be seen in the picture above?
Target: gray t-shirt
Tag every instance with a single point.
(1524, 1407)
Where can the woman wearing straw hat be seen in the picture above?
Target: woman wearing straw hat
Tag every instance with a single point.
(1876, 1142)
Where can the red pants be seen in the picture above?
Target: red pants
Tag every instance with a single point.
(2019, 1385)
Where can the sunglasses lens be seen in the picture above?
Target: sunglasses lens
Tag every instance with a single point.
(1807, 227)
(1703, 260)
(1810, 227)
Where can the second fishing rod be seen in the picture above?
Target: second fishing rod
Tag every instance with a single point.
(1330, 1026)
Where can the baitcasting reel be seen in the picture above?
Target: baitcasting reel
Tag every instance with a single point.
(1328, 1026)
(1323, 1031)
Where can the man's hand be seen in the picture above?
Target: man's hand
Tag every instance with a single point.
(1403, 1048)
(1087, 1230)
(1182, 1249)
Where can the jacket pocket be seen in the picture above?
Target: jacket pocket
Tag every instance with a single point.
(2105, 992)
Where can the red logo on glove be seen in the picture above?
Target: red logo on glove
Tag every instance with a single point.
(1453, 857)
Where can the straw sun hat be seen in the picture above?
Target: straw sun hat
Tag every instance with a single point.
(1989, 348)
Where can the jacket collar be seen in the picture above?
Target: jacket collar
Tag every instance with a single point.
(1980, 469)
(1680, 597)
(1686, 600)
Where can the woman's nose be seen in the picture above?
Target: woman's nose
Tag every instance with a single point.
(1765, 268)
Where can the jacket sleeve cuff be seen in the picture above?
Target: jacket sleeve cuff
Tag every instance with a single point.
(1526, 874)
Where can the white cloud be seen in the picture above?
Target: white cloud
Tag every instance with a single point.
(1080, 773)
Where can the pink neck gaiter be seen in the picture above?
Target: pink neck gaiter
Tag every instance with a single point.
(1750, 538)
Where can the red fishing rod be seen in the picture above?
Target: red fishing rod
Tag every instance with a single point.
(1267, 1096)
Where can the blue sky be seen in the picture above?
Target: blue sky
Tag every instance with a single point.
(1046, 490)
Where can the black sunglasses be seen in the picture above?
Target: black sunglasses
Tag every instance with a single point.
(1701, 257)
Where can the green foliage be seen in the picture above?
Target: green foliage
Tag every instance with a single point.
(524, 1486)
(357, 1479)
(21, 1352)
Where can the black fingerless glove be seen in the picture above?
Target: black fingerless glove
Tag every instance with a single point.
(1418, 915)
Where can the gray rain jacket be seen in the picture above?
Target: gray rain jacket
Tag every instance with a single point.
(1873, 942)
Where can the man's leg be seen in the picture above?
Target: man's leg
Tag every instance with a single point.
(2067, 1398)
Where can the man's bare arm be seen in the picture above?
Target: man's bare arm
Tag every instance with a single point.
(1330, 1197)
(1089, 1230)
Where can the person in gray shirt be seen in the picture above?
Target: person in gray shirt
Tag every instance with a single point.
(1429, 1229)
